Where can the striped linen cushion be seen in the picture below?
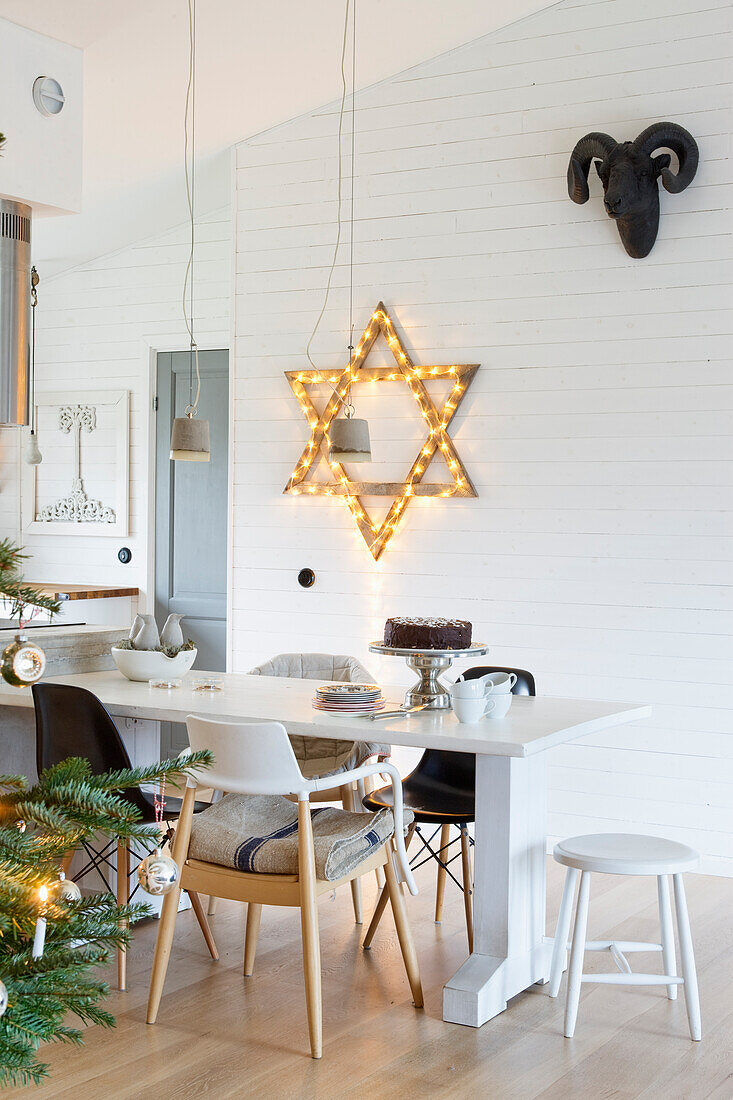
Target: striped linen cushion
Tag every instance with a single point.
(259, 833)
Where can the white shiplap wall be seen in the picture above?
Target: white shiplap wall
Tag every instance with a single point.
(96, 327)
(598, 428)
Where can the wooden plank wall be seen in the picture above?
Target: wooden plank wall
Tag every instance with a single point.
(597, 430)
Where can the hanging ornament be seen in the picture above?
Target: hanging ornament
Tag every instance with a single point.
(158, 873)
(23, 662)
(65, 889)
(3, 998)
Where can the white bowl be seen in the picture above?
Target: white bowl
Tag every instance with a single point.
(144, 664)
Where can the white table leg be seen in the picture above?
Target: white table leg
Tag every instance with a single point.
(510, 951)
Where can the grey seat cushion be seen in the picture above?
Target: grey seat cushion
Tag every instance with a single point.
(320, 756)
(259, 833)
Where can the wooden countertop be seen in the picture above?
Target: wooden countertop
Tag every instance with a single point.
(82, 591)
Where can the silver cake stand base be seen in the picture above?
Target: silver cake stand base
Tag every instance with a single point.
(428, 664)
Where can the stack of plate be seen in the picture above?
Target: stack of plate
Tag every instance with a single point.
(348, 698)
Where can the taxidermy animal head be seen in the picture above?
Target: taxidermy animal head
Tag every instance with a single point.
(629, 174)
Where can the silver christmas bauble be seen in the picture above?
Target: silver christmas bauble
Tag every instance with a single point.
(157, 874)
(3, 998)
(65, 889)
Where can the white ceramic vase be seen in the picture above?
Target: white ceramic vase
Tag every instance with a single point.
(172, 633)
(147, 636)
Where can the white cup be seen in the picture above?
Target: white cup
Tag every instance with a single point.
(472, 689)
(469, 710)
(503, 681)
(502, 702)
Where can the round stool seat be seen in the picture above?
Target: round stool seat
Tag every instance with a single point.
(625, 854)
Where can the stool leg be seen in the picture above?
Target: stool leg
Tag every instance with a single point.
(560, 949)
(665, 922)
(349, 803)
(577, 953)
(689, 973)
(440, 887)
(123, 896)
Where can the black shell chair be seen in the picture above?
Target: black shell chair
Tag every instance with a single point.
(71, 721)
(441, 791)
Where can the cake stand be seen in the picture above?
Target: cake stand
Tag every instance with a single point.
(429, 692)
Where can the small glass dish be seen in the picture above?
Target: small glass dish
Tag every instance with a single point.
(165, 682)
(209, 683)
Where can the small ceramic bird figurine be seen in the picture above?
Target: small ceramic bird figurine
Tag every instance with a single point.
(172, 633)
(147, 636)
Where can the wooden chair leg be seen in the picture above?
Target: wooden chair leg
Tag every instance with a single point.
(349, 803)
(384, 898)
(211, 908)
(440, 888)
(309, 927)
(254, 915)
(404, 933)
(169, 911)
(467, 884)
(204, 924)
(123, 896)
(687, 956)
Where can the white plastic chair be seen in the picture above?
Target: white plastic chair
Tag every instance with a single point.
(257, 758)
(625, 854)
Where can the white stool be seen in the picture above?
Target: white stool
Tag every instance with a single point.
(625, 854)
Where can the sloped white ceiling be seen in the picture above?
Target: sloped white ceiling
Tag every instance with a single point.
(258, 64)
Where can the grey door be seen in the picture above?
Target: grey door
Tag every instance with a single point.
(191, 514)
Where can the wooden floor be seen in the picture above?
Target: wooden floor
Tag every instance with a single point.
(219, 1035)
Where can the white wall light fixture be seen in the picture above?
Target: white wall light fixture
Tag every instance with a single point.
(48, 95)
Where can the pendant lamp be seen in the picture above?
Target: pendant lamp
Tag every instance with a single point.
(190, 436)
(348, 436)
(31, 453)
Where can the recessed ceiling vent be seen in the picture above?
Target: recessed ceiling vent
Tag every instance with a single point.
(15, 276)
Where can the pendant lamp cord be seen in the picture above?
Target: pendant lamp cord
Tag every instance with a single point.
(190, 174)
(348, 406)
(35, 279)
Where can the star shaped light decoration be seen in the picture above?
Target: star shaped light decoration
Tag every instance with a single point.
(377, 536)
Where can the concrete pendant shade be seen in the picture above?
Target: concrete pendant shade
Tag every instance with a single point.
(349, 440)
(190, 440)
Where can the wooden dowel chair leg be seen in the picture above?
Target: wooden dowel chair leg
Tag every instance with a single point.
(374, 923)
(211, 908)
(254, 915)
(348, 801)
(467, 884)
(404, 933)
(204, 924)
(440, 887)
(667, 931)
(123, 896)
(560, 948)
(309, 927)
(169, 911)
(687, 956)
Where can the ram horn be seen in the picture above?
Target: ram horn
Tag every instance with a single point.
(668, 135)
(589, 147)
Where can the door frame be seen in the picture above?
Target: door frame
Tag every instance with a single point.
(151, 352)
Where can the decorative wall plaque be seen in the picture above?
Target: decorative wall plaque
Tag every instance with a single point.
(85, 442)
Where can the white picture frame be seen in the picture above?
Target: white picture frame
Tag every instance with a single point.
(117, 402)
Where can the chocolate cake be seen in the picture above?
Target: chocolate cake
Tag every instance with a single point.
(405, 633)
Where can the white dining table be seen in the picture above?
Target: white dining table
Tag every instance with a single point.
(510, 949)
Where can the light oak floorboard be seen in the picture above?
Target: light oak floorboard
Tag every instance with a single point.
(218, 1035)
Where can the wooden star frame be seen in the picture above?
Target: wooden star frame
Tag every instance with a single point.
(437, 420)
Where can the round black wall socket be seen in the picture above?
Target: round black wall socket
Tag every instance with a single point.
(306, 578)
